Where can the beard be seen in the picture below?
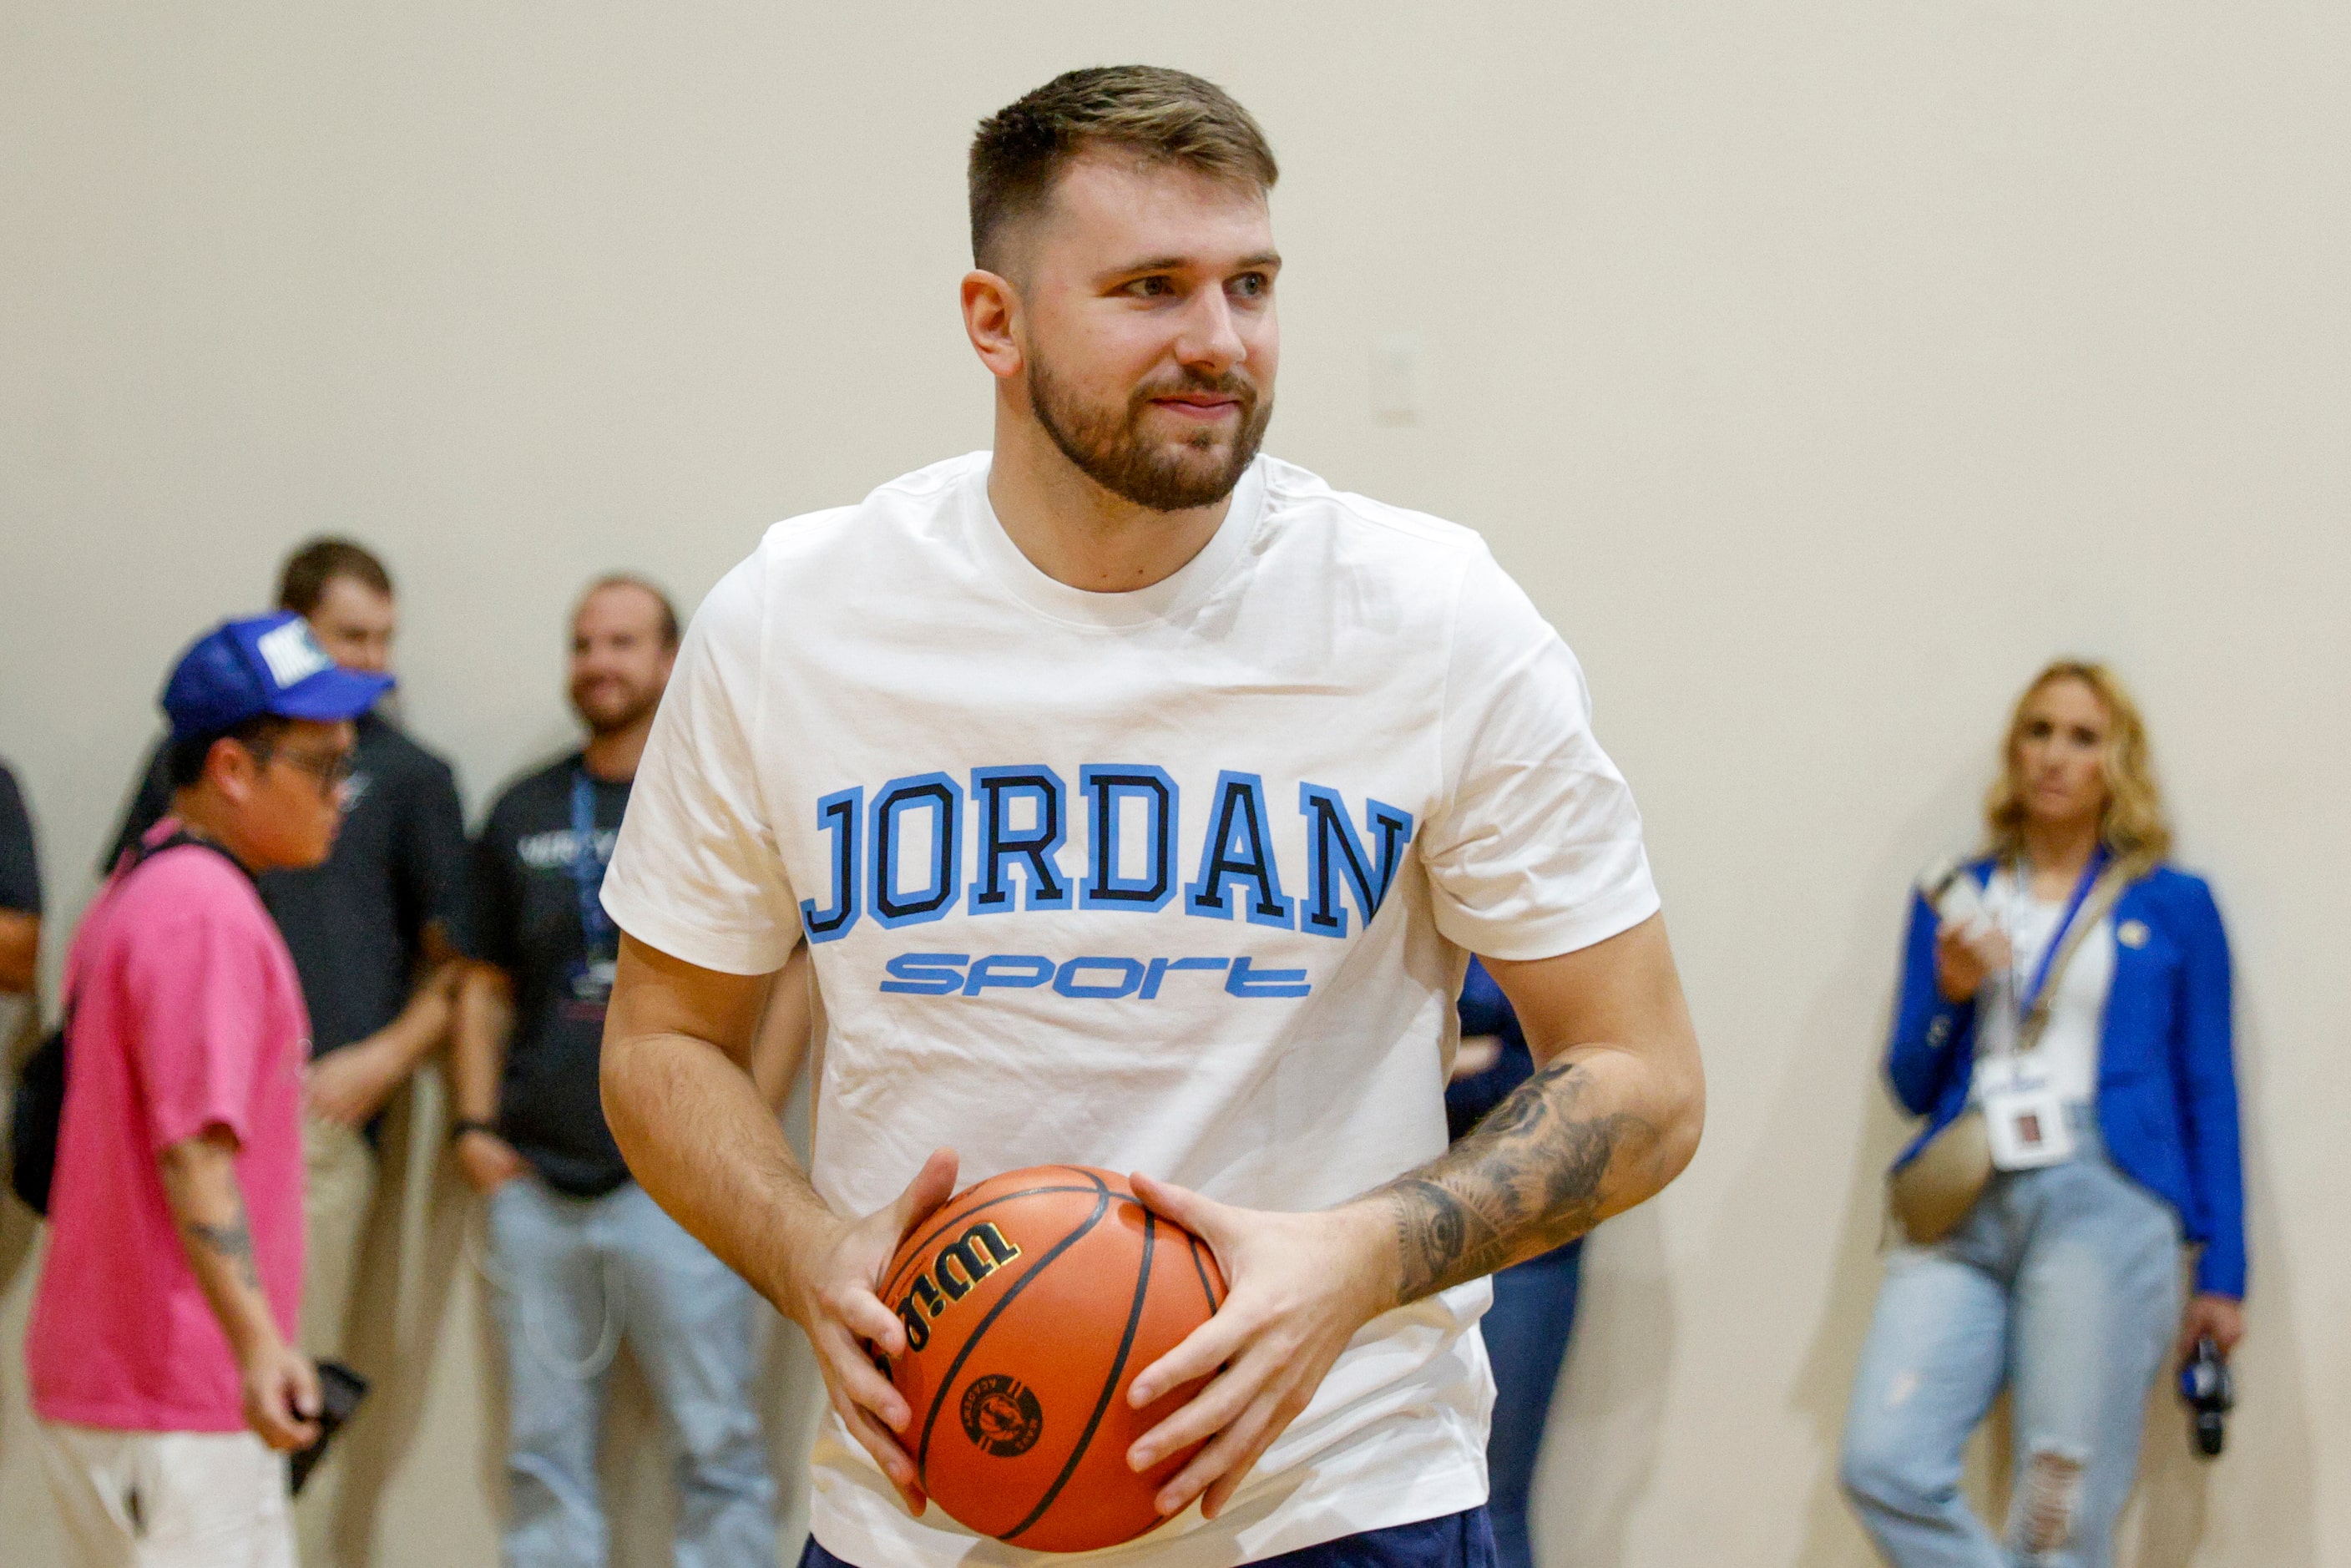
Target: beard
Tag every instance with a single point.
(606, 710)
(1109, 446)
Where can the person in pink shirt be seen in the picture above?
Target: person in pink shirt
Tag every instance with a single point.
(160, 1350)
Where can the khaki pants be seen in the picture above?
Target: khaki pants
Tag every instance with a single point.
(339, 1187)
(168, 1500)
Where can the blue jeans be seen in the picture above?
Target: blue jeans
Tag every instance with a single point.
(575, 1277)
(1456, 1540)
(2063, 1282)
(1526, 1334)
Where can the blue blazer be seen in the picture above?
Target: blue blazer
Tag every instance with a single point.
(2167, 1081)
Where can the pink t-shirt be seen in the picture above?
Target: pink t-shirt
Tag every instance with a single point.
(187, 1013)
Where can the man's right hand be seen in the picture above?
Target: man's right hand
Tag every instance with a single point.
(487, 1161)
(280, 1390)
(349, 1084)
(833, 1299)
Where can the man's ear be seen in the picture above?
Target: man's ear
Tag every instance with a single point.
(229, 766)
(991, 317)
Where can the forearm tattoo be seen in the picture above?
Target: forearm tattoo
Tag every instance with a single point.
(1527, 1178)
(230, 1240)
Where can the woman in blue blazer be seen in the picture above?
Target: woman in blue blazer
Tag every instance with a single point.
(2062, 1281)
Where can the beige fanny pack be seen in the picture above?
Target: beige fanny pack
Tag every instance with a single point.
(1933, 1190)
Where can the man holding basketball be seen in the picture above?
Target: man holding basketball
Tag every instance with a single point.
(1141, 800)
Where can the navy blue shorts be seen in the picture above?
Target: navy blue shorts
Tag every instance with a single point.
(1457, 1541)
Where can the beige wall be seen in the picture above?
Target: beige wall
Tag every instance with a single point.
(1820, 369)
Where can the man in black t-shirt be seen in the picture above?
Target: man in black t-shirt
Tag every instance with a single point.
(372, 933)
(584, 1258)
(20, 894)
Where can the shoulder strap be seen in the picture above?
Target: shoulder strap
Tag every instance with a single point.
(2095, 908)
(139, 855)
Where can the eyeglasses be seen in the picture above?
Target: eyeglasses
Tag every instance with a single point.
(331, 769)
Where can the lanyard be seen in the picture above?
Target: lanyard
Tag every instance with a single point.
(2031, 994)
(588, 867)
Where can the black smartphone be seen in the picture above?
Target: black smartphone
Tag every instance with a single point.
(339, 1392)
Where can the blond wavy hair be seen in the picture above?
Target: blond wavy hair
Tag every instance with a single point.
(2133, 827)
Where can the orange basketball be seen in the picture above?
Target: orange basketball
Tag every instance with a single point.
(1030, 1302)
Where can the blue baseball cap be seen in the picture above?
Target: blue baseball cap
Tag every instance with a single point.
(263, 664)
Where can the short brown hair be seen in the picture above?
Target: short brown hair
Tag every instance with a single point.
(667, 611)
(303, 582)
(1166, 116)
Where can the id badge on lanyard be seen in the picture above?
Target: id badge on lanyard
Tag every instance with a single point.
(2024, 1114)
(590, 980)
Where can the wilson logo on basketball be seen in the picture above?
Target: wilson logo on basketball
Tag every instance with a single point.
(1001, 1416)
(962, 1264)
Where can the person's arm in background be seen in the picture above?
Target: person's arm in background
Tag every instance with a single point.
(484, 1021)
(280, 1387)
(1931, 1030)
(2204, 1063)
(20, 950)
(1491, 1059)
(20, 892)
(350, 1085)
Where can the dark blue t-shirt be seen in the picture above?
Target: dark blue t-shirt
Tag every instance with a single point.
(20, 865)
(525, 917)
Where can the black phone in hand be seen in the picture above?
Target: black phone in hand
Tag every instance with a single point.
(339, 1392)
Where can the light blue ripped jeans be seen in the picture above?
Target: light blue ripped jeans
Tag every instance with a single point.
(2061, 1282)
(573, 1278)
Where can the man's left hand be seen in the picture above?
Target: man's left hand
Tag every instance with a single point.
(1300, 1287)
(280, 1395)
(2221, 1319)
(349, 1085)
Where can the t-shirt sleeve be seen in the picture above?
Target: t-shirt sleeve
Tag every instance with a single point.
(491, 931)
(1536, 850)
(697, 872)
(196, 987)
(433, 868)
(20, 864)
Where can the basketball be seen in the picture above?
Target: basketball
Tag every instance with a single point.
(1030, 1300)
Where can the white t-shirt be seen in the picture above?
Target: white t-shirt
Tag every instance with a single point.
(1177, 880)
(2077, 1009)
